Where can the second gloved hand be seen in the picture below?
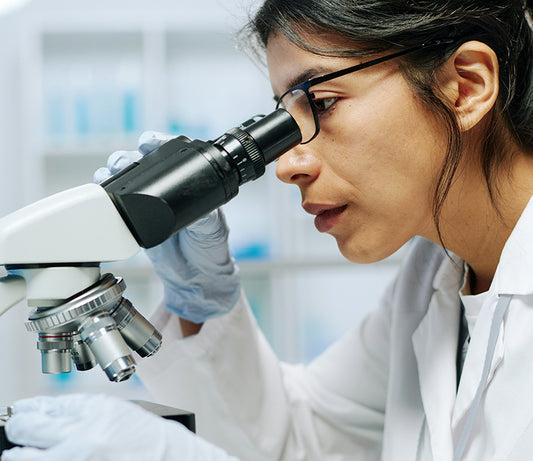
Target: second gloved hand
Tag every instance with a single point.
(199, 275)
(96, 427)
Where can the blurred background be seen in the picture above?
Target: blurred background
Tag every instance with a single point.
(79, 80)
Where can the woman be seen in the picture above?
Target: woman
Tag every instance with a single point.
(431, 137)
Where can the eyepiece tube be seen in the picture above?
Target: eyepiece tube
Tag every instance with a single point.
(184, 180)
(275, 134)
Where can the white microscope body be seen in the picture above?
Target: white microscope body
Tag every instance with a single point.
(53, 249)
(59, 241)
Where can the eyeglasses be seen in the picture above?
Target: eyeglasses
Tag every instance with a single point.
(305, 108)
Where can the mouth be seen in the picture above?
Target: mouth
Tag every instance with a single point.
(326, 217)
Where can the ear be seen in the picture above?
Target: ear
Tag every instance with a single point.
(471, 82)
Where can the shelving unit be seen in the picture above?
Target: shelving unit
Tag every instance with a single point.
(85, 79)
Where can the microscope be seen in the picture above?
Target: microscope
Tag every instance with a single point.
(52, 249)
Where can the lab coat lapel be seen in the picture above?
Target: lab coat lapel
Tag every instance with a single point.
(435, 346)
(405, 413)
(475, 358)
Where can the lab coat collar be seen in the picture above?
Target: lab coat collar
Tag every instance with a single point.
(450, 274)
(514, 274)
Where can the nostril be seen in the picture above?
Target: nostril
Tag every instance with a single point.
(299, 177)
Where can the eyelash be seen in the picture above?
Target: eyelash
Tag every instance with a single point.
(319, 103)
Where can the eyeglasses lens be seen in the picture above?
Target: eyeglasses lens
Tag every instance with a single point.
(296, 102)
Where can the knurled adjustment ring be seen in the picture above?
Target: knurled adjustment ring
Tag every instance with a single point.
(252, 149)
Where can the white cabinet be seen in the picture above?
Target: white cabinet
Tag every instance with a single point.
(86, 78)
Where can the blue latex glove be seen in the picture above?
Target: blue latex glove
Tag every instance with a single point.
(97, 427)
(199, 275)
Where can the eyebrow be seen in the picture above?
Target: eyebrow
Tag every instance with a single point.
(302, 77)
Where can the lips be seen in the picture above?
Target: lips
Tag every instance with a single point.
(327, 216)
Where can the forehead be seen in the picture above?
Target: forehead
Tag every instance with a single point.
(289, 64)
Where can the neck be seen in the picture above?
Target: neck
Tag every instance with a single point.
(475, 227)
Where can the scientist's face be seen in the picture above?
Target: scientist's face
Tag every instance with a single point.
(369, 175)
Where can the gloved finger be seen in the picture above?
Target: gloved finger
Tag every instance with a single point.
(101, 174)
(58, 405)
(151, 140)
(31, 404)
(121, 159)
(166, 254)
(206, 245)
(208, 233)
(24, 454)
(38, 429)
(212, 226)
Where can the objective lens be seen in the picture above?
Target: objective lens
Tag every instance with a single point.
(101, 335)
(82, 356)
(55, 352)
(138, 332)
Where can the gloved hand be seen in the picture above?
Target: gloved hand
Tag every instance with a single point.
(199, 275)
(97, 427)
(117, 161)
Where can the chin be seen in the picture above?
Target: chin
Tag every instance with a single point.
(365, 254)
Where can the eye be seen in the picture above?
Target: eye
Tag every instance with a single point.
(323, 104)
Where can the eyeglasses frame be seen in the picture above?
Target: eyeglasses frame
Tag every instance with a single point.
(304, 86)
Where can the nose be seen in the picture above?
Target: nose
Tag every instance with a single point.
(298, 166)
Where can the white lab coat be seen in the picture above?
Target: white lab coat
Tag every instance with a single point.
(386, 390)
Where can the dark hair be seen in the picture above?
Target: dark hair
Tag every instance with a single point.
(372, 26)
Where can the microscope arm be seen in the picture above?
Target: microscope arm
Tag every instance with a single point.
(76, 226)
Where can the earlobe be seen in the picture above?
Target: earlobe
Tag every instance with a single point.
(473, 82)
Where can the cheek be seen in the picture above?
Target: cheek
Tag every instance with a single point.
(388, 156)
(390, 141)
